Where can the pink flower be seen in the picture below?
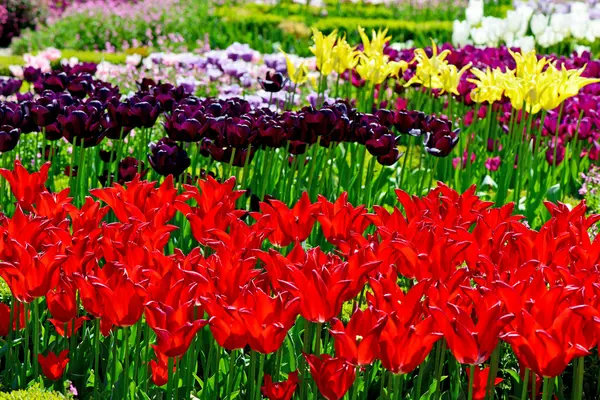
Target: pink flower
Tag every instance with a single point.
(493, 163)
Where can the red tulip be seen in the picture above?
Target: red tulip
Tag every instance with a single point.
(68, 329)
(340, 221)
(33, 274)
(402, 348)
(175, 328)
(26, 187)
(226, 323)
(289, 225)
(268, 319)
(61, 302)
(19, 316)
(126, 299)
(159, 369)
(325, 282)
(358, 341)
(547, 350)
(334, 376)
(480, 381)
(53, 367)
(280, 390)
(472, 334)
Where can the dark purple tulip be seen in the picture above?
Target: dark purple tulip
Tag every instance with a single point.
(183, 128)
(81, 68)
(494, 145)
(8, 87)
(409, 122)
(165, 95)
(31, 74)
(128, 169)
(297, 147)
(272, 134)
(55, 81)
(144, 112)
(117, 121)
(80, 86)
(389, 158)
(146, 84)
(363, 127)
(23, 97)
(167, 158)
(243, 157)
(104, 91)
(9, 137)
(105, 155)
(382, 145)
(11, 114)
(273, 82)
(439, 140)
(81, 125)
(238, 133)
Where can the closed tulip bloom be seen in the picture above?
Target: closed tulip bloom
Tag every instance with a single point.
(273, 82)
(280, 390)
(167, 158)
(334, 376)
(9, 137)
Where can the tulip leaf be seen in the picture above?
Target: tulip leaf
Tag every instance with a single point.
(432, 389)
(553, 193)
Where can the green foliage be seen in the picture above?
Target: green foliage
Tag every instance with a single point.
(33, 393)
(264, 28)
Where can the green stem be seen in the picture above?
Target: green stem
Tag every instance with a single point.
(36, 337)
(471, 378)
(170, 379)
(96, 356)
(525, 384)
(261, 372)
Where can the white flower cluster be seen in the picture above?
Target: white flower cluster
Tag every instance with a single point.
(524, 27)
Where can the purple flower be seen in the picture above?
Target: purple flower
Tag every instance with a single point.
(167, 158)
(9, 137)
(439, 139)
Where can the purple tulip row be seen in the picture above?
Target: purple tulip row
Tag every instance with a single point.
(71, 104)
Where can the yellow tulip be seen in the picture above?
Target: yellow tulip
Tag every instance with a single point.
(322, 49)
(344, 56)
(376, 69)
(450, 78)
(374, 46)
(488, 86)
(298, 75)
(428, 70)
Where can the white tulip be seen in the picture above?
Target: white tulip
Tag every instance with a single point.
(539, 23)
(513, 21)
(460, 33)
(579, 25)
(474, 12)
(479, 36)
(560, 24)
(526, 43)
(580, 8)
